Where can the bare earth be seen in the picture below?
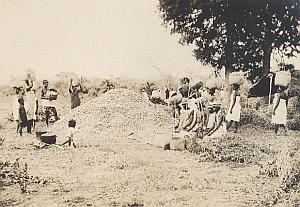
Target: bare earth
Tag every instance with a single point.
(121, 171)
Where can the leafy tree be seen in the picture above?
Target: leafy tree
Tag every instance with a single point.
(235, 34)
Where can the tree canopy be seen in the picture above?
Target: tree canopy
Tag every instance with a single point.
(236, 34)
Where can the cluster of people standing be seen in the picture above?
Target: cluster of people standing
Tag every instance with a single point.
(26, 105)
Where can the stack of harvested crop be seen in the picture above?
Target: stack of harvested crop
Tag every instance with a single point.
(117, 113)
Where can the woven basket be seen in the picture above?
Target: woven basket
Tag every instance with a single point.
(283, 78)
(75, 81)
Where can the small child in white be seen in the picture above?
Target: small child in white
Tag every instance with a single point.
(70, 133)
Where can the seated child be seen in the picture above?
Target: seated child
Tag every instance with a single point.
(70, 133)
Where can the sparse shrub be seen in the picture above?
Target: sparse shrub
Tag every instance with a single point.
(285, 166)
(225, 149)
(255, 118)
(17, 173)
(288, 162)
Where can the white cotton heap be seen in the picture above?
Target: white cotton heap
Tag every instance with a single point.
(118, 112)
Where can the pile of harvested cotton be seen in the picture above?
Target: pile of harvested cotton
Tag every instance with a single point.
(120, 113)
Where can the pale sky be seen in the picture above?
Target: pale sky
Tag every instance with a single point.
(91, 38)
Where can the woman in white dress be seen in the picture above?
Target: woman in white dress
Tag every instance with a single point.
(279, 114)
(31, 108)
(234, 110)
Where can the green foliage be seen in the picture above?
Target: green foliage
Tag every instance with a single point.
(237, 35)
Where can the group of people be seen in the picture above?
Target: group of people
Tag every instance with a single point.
(202, 109)
(25, 107)
(25, 104)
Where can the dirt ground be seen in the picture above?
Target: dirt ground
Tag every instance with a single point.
(122, 171)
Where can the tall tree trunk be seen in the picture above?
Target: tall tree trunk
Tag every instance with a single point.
(228, 54)
(267, 48)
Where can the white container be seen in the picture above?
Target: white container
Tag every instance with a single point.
(237, 78)
(161, 139)
(283, 78)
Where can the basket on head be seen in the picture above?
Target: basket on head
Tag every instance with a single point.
(237, 78)
(283, 78)
(75, 81)
(29, 75)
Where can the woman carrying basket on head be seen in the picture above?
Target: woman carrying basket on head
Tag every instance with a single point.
(75, 88)
(279, 113)
(234, 110)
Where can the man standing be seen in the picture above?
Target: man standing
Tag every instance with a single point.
(47, 104)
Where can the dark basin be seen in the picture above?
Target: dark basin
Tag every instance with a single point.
(48, 138)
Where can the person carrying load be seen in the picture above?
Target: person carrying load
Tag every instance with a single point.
(47, 97)
(234, 111)
(280, 102)
(74, 89)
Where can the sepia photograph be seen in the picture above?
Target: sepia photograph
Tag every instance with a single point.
(150, 103)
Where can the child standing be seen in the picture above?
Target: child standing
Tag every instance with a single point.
(70, 133)
(16, 106)
(22, 116)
